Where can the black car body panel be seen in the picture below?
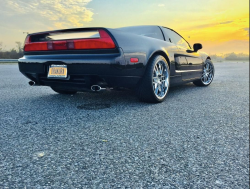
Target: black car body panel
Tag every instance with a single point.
(112, 67)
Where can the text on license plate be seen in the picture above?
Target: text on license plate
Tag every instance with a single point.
(57, 71)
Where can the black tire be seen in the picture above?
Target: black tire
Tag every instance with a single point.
(200, 82)
(63, 91)
(145, 90)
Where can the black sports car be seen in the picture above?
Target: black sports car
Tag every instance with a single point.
(146, 58)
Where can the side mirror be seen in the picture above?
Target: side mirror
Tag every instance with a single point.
(197, 46)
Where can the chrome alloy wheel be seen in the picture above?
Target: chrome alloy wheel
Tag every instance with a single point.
(208, 74)
(160, 79)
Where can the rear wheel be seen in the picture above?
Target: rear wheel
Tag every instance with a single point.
(207, 74)
(155, 83)
(63, 91)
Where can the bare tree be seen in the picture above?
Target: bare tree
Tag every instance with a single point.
(19, 46)
(13, 53)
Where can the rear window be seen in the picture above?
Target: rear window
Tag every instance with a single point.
(51, 36)
(74, 35)
(148, 31)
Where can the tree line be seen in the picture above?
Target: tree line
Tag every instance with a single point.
(13, 53)
(231, 56)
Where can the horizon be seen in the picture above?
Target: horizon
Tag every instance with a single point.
(222, 27)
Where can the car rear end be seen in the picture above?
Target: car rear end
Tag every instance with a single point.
(76, 59)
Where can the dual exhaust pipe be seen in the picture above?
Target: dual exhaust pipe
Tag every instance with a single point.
(32, 83)
(97, 88)
(94, 88)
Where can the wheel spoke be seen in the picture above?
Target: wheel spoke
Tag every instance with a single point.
(157, 90)
(207, 66)
(161, 69)
(155, 85)
(156, 70)
(155, 79)
(210, 76)
(160, 89)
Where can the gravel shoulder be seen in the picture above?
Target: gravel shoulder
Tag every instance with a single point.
(197, 138)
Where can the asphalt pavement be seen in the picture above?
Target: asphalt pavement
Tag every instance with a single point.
(197, 138)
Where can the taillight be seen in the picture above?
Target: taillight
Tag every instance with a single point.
(39, 46)
(27, 40)
(104, 42)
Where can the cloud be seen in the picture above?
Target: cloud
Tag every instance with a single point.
(62, 13)
(161, 5)
(201, 26)
(246, 29)
(227, 22)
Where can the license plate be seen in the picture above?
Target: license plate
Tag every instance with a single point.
(57, 71)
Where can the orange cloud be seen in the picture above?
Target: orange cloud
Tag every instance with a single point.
(221, 31)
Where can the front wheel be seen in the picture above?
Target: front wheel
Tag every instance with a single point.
(63, 91)
(155, 83)
(207, 74)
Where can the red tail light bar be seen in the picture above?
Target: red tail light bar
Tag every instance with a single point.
(104, 42)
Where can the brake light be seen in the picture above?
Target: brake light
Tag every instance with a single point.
(104, 42)
(39, 46)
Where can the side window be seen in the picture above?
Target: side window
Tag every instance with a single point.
(175, 38)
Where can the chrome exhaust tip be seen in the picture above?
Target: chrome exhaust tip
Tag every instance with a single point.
(97, 88)
(32, 83)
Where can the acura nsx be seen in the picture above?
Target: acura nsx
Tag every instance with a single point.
(147, 59)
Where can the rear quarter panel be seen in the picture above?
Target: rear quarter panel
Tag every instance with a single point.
(142, 47)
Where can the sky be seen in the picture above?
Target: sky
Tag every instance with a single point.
(222, 26)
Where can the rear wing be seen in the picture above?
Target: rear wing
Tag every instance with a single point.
(70, 39)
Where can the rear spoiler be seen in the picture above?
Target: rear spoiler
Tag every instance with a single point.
(70, 39)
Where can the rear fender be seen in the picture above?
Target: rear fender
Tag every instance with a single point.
(140, 46)
(161, 52)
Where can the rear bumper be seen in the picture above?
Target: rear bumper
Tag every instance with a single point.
(83, 71)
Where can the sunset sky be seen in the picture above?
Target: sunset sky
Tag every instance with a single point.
(222, 26)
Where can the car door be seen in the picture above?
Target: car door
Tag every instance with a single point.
(193, 69)
(195, 64)
(187, 63)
